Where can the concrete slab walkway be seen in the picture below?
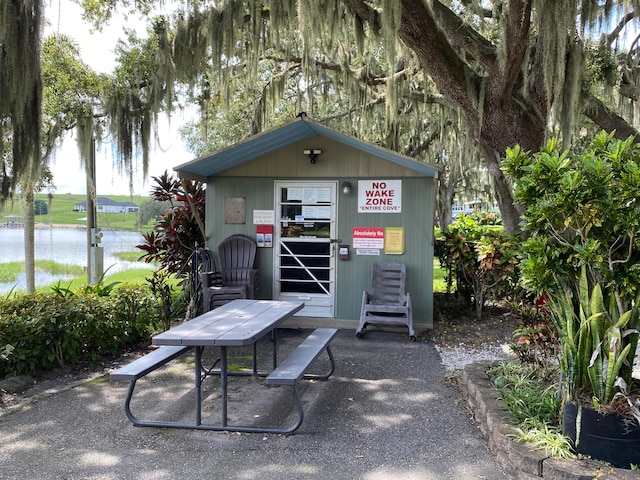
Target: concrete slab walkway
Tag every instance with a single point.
(385, 414)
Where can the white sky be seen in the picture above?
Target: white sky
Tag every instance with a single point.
(63, 16)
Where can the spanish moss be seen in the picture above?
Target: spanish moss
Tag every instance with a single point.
(21, 87)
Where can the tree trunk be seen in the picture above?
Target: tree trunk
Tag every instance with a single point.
(496, 122)
(510, 212)
(28, 211)
(446, 191)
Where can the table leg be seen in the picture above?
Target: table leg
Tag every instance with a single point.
(223, 383)
(198, 381)
(274, 349)
(255, 357)
(274, 346)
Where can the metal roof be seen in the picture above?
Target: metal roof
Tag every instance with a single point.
(103, 201)
(301, 128)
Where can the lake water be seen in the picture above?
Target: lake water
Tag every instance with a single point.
(67, 246)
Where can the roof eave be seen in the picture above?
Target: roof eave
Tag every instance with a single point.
(202, 168)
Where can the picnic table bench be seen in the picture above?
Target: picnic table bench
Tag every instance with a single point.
(297, 363)
(241, 322)
(148, 363)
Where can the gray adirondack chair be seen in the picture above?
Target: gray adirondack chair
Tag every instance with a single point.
(388, 302)
(237, 275)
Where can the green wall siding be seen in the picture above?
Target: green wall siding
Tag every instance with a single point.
(353, 275)
(258, 193)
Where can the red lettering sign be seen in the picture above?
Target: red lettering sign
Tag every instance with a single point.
(379, 196)
(367, 237)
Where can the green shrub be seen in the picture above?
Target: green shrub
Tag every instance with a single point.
(485, 217)
(583, 253)
(528, 392)
(43, 330)
(582, 210)
(482, 260)
(536, 341)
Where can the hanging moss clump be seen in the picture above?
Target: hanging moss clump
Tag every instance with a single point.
(21, 90)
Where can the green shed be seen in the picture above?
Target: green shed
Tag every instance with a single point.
(323, 207)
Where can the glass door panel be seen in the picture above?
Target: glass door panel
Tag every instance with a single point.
(305, 261)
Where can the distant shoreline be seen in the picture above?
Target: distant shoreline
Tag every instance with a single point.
(43, 226)
(77, 226)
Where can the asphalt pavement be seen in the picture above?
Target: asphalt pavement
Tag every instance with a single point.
(385, 414)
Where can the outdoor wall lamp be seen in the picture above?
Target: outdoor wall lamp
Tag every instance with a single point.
(346, 188)
(313, 154)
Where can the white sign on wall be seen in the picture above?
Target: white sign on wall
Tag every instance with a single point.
(379, 196)
(263, 217)
(367, 237)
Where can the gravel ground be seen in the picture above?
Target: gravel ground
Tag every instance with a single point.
(456, 358)
(460, 338)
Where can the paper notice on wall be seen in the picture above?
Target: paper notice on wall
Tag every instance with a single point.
(294, 194)
(263, 217)
(316, 211)
(394, 240)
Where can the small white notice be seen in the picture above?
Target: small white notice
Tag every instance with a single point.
(263, 217)
(368, 251)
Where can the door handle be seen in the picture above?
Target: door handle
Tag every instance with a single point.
(334, 244)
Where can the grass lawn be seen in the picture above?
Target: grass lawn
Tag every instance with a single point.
(9, 272)
(61, 212)
(439, 274)
(134, 276)
(128, 256)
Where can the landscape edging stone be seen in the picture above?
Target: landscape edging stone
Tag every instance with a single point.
(516, 459)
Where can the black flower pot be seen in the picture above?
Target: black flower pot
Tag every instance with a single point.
(609, 437)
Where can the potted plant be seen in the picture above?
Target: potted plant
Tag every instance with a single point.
(582, 217)
(601, 413)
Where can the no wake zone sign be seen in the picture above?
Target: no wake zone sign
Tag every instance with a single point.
(379, 196)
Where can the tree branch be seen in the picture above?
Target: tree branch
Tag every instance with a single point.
(413, 151)
(420, 31)
(611, 37)
(609, 121)
(515, 41)
(629, 89)
(365, 13)
(465, 37)
(376, 101)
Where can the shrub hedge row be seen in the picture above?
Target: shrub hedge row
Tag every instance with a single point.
(42, 330)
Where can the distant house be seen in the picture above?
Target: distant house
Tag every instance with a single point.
(106, 205)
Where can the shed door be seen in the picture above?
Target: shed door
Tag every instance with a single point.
(305, 261)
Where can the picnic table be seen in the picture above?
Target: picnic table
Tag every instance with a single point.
(238, 323)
